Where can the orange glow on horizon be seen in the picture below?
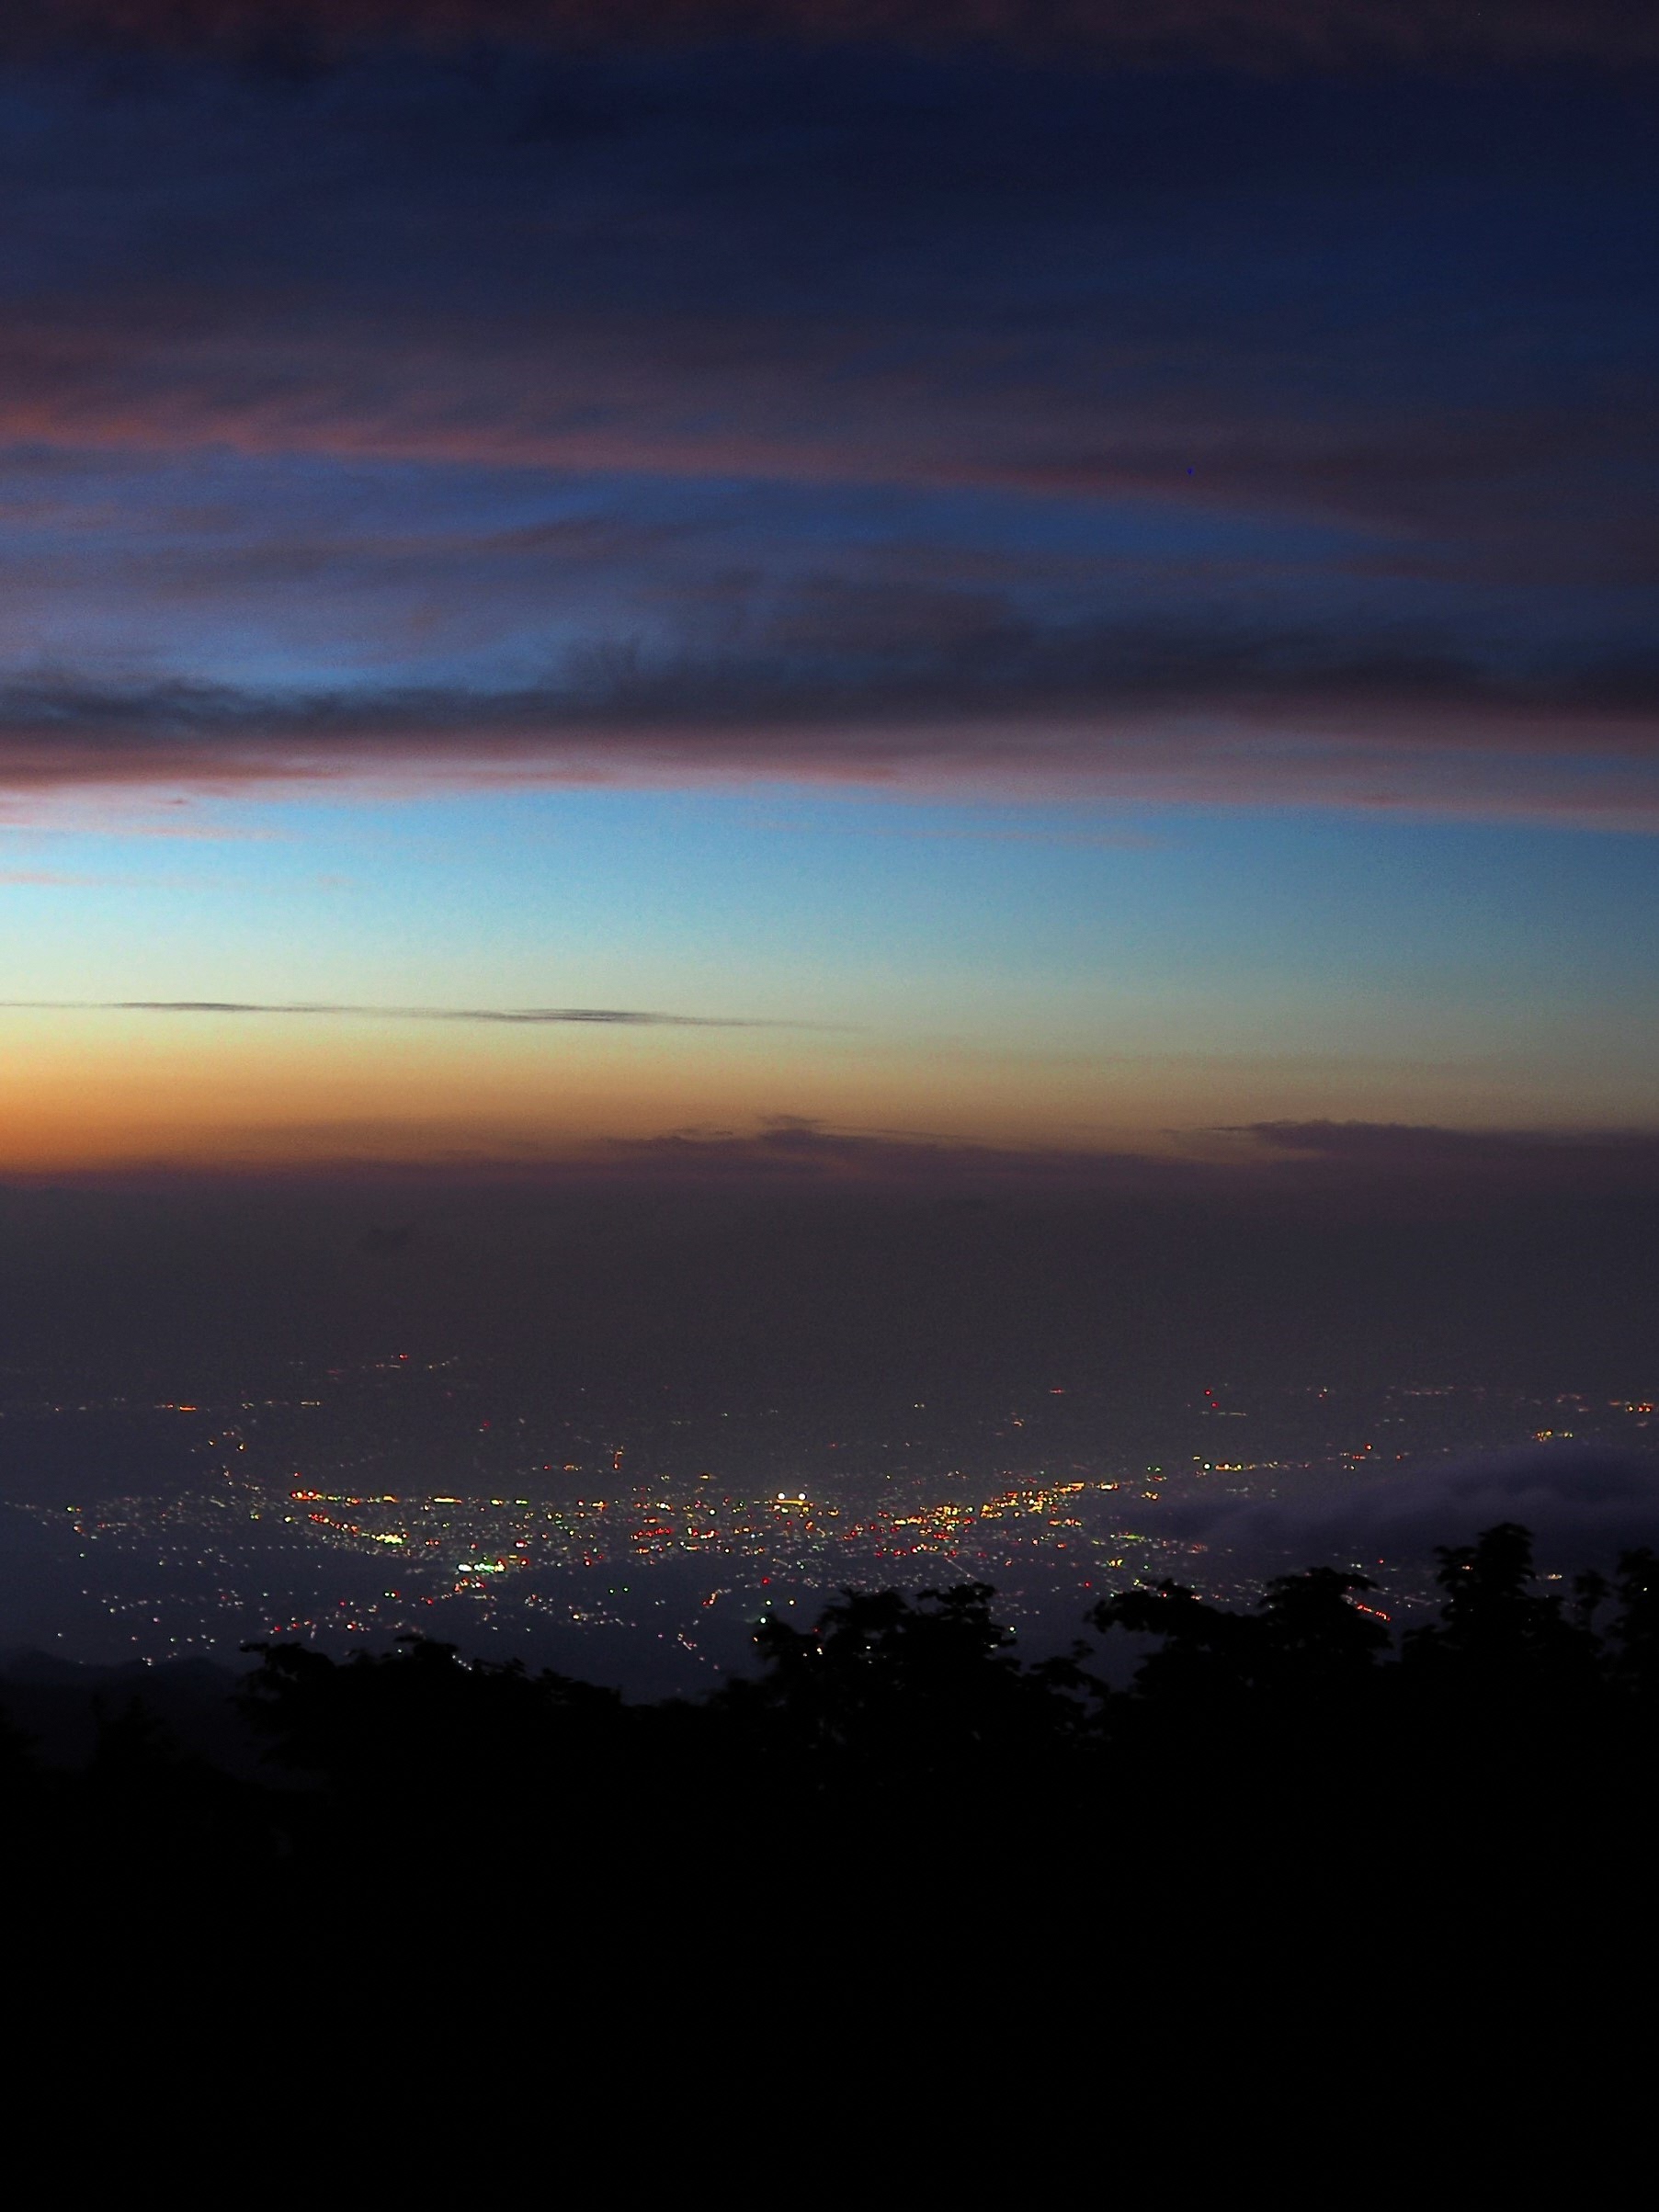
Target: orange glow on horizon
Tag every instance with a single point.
(108, 1092)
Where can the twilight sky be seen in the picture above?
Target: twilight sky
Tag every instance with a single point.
(1070, 590)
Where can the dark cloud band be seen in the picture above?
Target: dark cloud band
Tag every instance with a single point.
(1137, 718)
(1316, 32)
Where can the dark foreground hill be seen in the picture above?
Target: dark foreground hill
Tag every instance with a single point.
(1280, 1793)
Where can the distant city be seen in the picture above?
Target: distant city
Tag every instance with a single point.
(352, 1504)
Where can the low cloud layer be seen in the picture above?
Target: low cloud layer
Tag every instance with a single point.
(1584, 1504)
(1377, 1154)
(1332, 1173)
(790, 1149)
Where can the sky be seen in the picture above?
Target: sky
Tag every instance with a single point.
(830, 592)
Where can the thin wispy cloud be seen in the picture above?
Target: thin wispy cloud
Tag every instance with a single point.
(630, 1017)
(1082, 840)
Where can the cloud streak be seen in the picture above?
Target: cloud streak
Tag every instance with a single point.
(1144, 716)
(1450, 488)
(513, 1016)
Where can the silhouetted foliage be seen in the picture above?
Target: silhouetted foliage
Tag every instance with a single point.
(1305, 1643)
(397, 1719)
(1634, 1665)
(1290, 1745)
(881, 1681)
(1496, 1638)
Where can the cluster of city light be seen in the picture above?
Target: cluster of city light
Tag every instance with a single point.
(468, 1539)
(256, 1547)
(447, 1542)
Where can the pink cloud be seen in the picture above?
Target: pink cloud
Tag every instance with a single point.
(764, 398)
(1445, 751)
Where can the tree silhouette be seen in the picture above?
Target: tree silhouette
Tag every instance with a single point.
(1634, 1630)
(1307, 1642)
(884, 1680)
(1496, 1638)
(421, 1724)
